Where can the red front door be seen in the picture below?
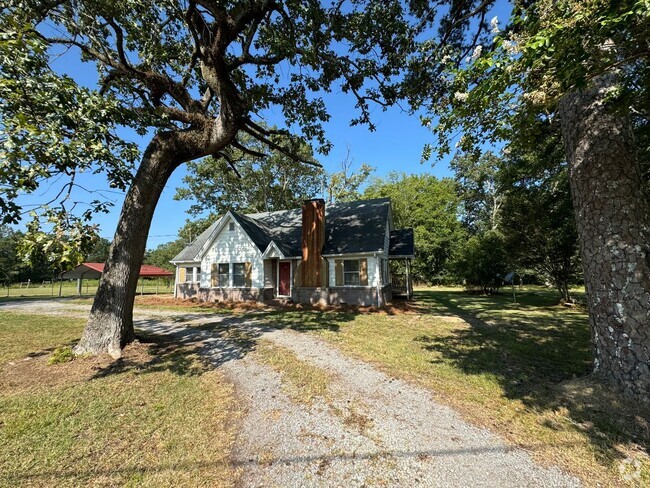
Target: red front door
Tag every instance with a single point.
(284, 287)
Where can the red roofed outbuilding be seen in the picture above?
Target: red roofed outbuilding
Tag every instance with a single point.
(93, 271)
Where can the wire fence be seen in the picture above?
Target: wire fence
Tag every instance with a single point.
(70, 288)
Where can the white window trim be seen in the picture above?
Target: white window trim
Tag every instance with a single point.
(358, 272)
(219, 274)
(232, 274)
(192, 274)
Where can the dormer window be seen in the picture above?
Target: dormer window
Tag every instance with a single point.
(231, 226)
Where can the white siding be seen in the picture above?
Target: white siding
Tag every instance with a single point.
(387, 241)
(372, 268)
(233, 247)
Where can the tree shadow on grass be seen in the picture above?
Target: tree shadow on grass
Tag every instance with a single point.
(540, 354)
(194, 348)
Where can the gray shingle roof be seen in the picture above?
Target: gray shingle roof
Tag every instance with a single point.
(350, 227)
(190, 252)
(402, 243)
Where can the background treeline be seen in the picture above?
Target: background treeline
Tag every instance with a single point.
(498, 214)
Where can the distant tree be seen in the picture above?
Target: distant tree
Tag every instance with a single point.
(11, 267)
(537, 216)
(482, 262)
(48, 254)
(345, 185)
(430, 207)
(99, 252)
(257, 179)
(524, 195)
(480, 189)
(164, 253)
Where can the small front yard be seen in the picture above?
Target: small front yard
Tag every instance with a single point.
(157, 417)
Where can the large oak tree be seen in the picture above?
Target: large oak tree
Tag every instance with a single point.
(584, 63)
(193, 75)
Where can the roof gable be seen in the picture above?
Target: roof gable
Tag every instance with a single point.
(189, 254)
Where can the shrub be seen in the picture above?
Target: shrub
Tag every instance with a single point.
(61, 355)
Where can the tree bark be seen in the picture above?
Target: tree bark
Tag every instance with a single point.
(612, 221)
(110, 326)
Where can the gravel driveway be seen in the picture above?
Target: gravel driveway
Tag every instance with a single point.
(406, 438)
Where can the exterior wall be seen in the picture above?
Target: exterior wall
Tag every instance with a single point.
(364, 296)
(387, 241)
(192, 290)
(181, 275)
(313, 296)
(372, 269)
(233, 247)
(269, 273)
(348, 295)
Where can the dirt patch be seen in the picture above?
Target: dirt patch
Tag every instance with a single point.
(399, 307)
(33, 372)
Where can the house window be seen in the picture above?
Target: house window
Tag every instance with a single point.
(351, 272)
(197, 274)
(224, 275)
(189, 275)
(231, 226)
(239, 274)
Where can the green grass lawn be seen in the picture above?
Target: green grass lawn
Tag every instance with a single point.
(520, 369)
(69, 289)
(156, 417)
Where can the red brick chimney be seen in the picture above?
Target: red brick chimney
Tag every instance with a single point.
(313, 240)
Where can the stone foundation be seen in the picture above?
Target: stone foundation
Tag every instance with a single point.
(341, 295)
(193, 290)
(362, 296)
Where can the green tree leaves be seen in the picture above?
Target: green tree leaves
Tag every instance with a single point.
(255, 180)
(430, 207)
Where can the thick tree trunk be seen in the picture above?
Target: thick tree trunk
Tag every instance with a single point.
(612, 220)
(110, 326)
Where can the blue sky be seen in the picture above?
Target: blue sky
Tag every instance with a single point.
(396, 145)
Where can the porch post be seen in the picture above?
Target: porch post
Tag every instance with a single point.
(408, 279)
(175, 280)
(379, 279)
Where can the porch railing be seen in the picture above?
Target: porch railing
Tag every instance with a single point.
(399, 284)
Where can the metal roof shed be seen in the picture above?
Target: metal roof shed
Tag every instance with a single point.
(94, 271)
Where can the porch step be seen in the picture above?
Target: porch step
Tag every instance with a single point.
(280, 301)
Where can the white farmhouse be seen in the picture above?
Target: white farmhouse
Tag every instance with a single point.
(318, 255)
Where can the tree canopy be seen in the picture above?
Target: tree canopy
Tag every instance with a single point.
(200, 73)
(248, 182)
(430, 207)
(494, 79)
